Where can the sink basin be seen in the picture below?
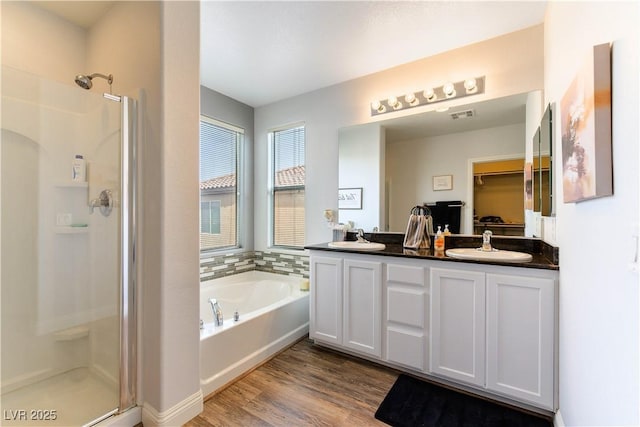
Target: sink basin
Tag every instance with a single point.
(495, 255)
(361, 246)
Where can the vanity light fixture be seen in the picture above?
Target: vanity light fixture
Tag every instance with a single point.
(450, 90)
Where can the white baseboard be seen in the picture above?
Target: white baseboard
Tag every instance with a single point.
(557, 420)
(177, 415)
(213, 383)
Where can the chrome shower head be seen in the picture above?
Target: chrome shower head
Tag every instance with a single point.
(85, 82)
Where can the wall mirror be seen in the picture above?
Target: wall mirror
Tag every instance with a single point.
(543, 166)
(395, 161)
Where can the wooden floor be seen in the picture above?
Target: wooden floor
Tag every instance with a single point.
(303, 386)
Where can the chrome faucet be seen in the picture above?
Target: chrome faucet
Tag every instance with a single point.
(360, 236)
(217, 312)
(486, 241)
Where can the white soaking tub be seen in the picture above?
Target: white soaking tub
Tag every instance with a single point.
(273, 314)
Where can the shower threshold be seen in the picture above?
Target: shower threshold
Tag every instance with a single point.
(73, 398)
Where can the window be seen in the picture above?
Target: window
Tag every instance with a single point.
(219, 147)
(210, 217)
(288, 187)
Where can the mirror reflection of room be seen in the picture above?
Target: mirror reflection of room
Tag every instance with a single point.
(483, 151)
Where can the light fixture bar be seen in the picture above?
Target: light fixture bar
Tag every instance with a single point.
(428, 96)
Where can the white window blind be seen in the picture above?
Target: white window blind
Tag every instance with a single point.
(289, 187)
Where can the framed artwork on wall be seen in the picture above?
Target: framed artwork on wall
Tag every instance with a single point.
(442, 182)
(350, 198)
(585, 115)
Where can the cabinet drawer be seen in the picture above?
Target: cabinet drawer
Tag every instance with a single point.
(406, 306)
(406, 348)
(405, 274)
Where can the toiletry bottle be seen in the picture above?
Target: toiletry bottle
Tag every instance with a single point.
(78, 169)
(438, 243)
(446, 231)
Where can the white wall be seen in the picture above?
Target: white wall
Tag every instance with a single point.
(599, 307)
(411, 166)
(512, 65)
(152, 49)
(51, 47)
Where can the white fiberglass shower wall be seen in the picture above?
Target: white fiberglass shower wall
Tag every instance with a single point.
(66, 291)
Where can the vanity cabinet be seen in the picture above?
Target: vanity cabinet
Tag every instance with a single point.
(496, 331)
(346, 303)
(488, 328)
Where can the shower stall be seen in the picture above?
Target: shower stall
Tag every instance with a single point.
(67, 226)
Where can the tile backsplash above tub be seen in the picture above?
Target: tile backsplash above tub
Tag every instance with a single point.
(221, 265)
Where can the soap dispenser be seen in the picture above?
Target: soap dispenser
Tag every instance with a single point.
(438, 243)
(446, 231)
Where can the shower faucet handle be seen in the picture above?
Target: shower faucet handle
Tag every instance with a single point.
(104, 202)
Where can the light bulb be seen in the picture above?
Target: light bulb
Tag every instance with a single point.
(411, 99)
(449, 90)
(375, 105)
(430, 95)
(392, 101)
(470, 85)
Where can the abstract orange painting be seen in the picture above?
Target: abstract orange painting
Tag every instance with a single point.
(585, 112)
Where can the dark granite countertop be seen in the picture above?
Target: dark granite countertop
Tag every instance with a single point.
(544, 255)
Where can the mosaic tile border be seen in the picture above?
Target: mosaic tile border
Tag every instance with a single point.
(222, 265)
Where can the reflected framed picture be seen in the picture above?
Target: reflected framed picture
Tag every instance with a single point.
(585, 114)
(528, 186)
(350, 198)
(442, 182)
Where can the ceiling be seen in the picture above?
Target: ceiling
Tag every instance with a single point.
(262, 52)
(83, 14)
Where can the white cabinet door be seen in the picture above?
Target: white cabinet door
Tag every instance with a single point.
(520, 337)
(362, 306)
(457, 349)
(325, 308)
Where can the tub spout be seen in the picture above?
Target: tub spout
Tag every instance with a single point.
(217, 312)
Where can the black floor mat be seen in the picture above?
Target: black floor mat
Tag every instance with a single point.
(414, 403)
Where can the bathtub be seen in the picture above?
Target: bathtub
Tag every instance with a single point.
(273, 314)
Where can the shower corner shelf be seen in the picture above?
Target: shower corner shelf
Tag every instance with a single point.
(71, 230)
(73, 184)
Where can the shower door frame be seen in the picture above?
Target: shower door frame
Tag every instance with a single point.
(128, 324)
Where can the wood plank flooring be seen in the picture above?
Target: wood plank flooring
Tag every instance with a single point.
(305, 385)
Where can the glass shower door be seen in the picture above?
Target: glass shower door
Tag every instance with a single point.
(61, 258)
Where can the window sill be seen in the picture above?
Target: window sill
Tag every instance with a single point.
(287, 251)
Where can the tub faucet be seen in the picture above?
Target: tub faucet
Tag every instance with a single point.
(217, 312)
